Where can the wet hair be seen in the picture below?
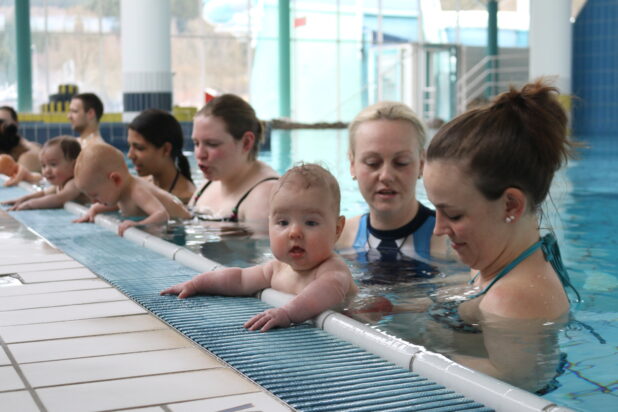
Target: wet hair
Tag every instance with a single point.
(519, 140)
(12, 112)
(239, 117)
(387, 111)
(91, 101)
(313, 175)
(159, 127)
(69, 146)
(9, 138)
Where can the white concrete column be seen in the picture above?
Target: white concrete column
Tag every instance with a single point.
(550, 42)
(146, 56)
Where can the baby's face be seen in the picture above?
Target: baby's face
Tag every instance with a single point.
(99, 189)
(55, 167)
(303, 226)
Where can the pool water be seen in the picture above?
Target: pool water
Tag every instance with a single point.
(581, 213)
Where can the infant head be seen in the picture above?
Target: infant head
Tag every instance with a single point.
(101, 172)
(304, 221)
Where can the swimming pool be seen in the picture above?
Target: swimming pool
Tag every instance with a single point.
(579, 212)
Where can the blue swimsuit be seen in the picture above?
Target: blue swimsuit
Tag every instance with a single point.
(412, 238)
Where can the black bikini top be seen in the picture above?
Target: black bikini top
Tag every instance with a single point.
(233, 217)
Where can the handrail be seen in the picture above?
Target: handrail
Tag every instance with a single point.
(478, 79)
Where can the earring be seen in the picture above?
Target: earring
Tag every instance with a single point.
(509, 219)
(353, 177)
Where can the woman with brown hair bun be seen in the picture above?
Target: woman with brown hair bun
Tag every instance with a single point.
(488, 172)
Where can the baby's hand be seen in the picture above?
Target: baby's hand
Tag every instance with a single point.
(86, 217)
(268, 320)
(124, 225)
(183, 290)
(27, 205)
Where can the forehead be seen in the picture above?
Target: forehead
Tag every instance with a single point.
(136, 136)
(5, 115)
(448, 180)
(297, 195)
(383, 134)
(51, 151)
(77, 104)
(209, 126)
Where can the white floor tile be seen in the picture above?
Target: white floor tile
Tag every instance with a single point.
(76, 297)
(56, 275)
(4, 360)
(75, 312)
(35, 258)
(97, 346)
(79, 328)
(9, 379)
(31, 267)
(145, 391)
(118, 366)
(249, 402)
(50, 287)
(18, 401)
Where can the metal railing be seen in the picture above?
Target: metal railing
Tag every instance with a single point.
(490, 76)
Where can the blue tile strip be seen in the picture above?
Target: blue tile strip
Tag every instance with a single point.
(303, 365)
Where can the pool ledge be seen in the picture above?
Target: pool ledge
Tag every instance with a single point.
(475, 385)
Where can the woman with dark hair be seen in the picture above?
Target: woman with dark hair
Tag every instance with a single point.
(155, 148)
(226, 136)
(488, 172)
(25, 153)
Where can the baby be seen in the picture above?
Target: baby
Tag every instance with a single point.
(303, 226)
(57, 157)
(102, 174)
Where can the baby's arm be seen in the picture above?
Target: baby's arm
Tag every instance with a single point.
(52, 200)
(228, 281)
(329, 289)
(93, 211)
(16, 202)
(148, 202)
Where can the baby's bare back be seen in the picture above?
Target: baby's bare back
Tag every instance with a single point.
(144, 196)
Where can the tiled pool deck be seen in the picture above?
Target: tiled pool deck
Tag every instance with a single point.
(72, 342)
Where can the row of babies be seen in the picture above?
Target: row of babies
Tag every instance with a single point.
(304, 225)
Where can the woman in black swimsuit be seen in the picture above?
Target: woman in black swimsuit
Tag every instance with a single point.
(226, 136)
(155, 148)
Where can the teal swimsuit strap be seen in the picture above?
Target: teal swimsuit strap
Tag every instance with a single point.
(507, 268)
(551, 252)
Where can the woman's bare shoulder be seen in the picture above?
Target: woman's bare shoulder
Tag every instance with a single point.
(348, 235)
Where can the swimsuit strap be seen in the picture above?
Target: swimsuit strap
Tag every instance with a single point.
(234, 215)
(173, 185)
(551, 252)
(201, 191)
(507, 268)
(552, 255)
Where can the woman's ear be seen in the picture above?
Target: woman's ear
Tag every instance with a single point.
(167, 148)
(515, 203)
(248, 140)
